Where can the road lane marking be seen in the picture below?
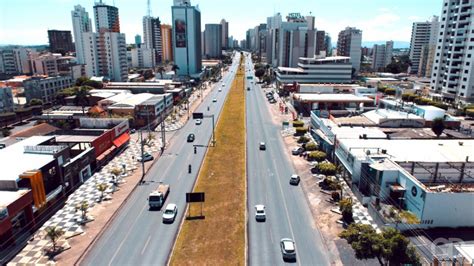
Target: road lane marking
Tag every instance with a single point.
(146, 244)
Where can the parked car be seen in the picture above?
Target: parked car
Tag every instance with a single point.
(133, 130)
(260, 213)
(297, 151)
(220, 89)
(272, 101)
(214, 100)
(169, 214)
(198, 121)
(146, 157)
(191, 137)
(294, 179)
(262, 146)
(288, 249)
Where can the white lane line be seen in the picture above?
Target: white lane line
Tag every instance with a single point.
(146, 244)
(126, 236)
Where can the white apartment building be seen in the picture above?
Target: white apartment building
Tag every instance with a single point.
(382, 55)
(14, 61)
(423, 39)
(106, 17)
(317, 70)
(80, 23)
(452, 73)
(106, 55)
(152, 38)
(349, 43)
(45, 89)
(143, 57)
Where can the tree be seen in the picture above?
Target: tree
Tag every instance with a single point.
(82, 97)
(81, 80)
(36, 102)
(93, 83)
(83, 207)
(345, 206)
(54, 233)
(6, 132)
(310, 146)
(102, 187)
(365, 241)
(327, 168)
(148, 74)
(397, 249)
(438, 126)
(160, 70)
(303, 139)
(175, 68)
(318, 156)
(259, 72)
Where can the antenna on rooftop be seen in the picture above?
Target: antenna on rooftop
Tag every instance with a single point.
(148, 10)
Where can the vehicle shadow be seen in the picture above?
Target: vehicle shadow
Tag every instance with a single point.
(199, 217)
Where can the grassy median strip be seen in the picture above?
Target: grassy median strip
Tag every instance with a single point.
(219, 238)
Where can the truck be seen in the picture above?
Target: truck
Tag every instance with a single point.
(157, 197)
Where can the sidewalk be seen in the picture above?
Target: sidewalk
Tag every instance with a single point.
(78, 238)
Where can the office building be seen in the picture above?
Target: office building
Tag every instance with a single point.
(424, 37)
(213, 40)
(328, 45)
(289, 40)
(225, 34)
(186, 38)
(349, 44)
(143, 57)
(106, 17)
(452, 73)
(6, 99)
(80, 23)
(382, 56)
(166, 43)
(138, 41)
(317, 70)
(60, 41)
(14, 61)
(106, 55)
(320, 42)
(152, 37)
(45, 89)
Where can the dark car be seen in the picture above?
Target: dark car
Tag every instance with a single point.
(191, 137)
(262, 146)
(248, 88)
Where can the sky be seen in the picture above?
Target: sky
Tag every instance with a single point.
(25, 22)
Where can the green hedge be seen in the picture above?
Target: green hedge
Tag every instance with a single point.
(300, 131)
(303, 139)
(390, 91)
(327, 168)
(298, 123)
(470, 112)
(318, 156)
(311, 146)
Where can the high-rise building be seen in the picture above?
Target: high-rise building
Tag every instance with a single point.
(106, 55)
(152, 37)
(106, 17)
(80, 23)
(328, 44)
(320, 42)
(424, 36)
(142, 57)
(231, 42)
(186, 38)
(349, 44)
(213, 40)
(60, 41)
(382, 55)
(225, 34)
(453, 73)
(166, 43)
(289, 40)
(138, 40)
(14, 61)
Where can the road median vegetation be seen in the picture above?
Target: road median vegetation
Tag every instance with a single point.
(218, 238)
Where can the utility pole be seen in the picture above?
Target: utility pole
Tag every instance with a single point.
(163, 133)
(213, 132)
(142, 144)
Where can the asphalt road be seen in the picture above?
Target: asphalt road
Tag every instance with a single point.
(268, 173)
(137, 235)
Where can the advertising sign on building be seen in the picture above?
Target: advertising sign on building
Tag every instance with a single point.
(180, 33)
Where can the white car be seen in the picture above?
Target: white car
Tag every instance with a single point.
(223, 84)
(288, 249)
(198, 121)
(169, 214)
(260, 212)
(220, 89)
(214, 100)
(294, 179)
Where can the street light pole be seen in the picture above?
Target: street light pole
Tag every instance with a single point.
(142, 144)
(213, 132)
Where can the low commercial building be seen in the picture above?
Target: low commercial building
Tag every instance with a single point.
(46, 88)
(157, 87)
(154, 110)
(306, 102)
(16, 215)
(336, 69)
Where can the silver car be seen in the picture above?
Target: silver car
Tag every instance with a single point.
(169, 214)
(260, 212)
(288, 249)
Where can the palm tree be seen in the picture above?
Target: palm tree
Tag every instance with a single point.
(102, 187)
(82, 97)
(83, 207)
(160, 70)
(175, 68)
(54, 233)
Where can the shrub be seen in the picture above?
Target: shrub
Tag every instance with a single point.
(303, 139)
(390, 91)
(441, 105)
(411, 97)
(381, 89)
(345, 206)
(311, 146)
(318, 156)
(327, 168)
(300, 131)
(336, 197)
(470, 112)
(298, 123)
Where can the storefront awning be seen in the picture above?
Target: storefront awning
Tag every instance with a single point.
(121, 140)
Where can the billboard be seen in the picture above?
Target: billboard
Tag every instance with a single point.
(180, 33)
(195, 197)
